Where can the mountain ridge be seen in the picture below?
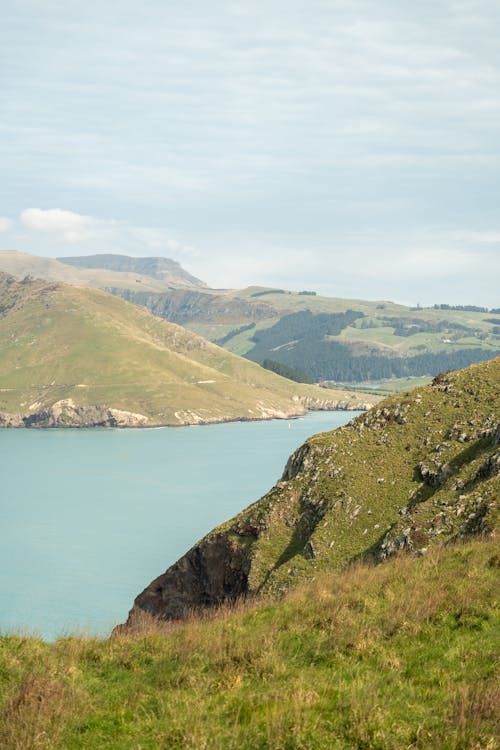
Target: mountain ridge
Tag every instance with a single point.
(164, 269)
(325, 339)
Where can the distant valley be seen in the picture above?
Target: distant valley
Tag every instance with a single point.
(72, 356)
(297, 334)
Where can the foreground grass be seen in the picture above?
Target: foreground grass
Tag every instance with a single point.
(395, 656)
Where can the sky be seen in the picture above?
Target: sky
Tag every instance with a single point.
(346, 146)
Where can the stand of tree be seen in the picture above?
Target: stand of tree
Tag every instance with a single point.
(329, 360)
(286, 372)
(298, 326)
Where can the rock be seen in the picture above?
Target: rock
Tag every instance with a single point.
(66, 413)
(11, 420)
(213, 571)
(434, 476)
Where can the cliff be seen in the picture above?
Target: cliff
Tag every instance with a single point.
(164, 269)
(420, 470)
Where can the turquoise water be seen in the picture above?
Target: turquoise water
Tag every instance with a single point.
(90, 517)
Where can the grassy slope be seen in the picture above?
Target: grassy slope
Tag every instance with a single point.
(59, 342)
(224, 310)
(382, 337)
(397, 656)
(359, 487)
(419, 470)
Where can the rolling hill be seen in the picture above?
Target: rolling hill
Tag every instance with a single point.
(321, 339)
(72, 356)
(328, 338)
(117, 271)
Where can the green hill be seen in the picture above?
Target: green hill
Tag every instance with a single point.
(332, 339)
(330, 651)
(419, 470)
(323, 338)
(401, 655)
(75, 356)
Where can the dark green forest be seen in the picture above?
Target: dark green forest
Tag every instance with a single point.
(298, 341)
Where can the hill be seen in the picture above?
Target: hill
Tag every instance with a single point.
(23, 264)
(419, 470)
(164, 269)
(332, 339)
(153, 275)
(396, 656)
(323, 339)
(75, 356)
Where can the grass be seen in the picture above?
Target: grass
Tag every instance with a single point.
(395, 656)
(63, 342)
(479, 325)
(360, 487)
(384, 386)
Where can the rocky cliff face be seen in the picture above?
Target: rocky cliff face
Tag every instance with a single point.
(66, 413)
(213, 572)
(184, 306)
(419, 470)
(163, 269)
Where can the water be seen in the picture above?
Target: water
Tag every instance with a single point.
(90, 517)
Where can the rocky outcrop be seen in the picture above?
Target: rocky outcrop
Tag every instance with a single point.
(212, 572)
(400, 478)
(66, 413)
(11, 420)
(354, 402)
(185, 306)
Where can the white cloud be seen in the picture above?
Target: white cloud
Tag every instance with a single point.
(5, 224)
(72, 227)
(290, 125)
(55, 231)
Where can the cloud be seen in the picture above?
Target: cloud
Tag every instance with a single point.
(56, 231)
(71, 226)
(5, 224)
(290, 125)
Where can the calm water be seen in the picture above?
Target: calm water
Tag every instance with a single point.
(90, 517)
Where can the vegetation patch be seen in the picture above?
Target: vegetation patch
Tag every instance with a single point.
(389, 657)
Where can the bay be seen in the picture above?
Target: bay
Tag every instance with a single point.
(89, 517)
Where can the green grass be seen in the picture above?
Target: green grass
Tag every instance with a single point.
(479, 334)
(382, 658)
(387, 386)
(63, 342)
(352, 484)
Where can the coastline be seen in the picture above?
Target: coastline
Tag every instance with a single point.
(66, 415)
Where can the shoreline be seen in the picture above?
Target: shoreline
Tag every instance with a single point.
(49, 422)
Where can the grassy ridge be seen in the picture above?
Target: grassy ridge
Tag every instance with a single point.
(61, 342)
(397, 656)
(421, 469)
(350, 492)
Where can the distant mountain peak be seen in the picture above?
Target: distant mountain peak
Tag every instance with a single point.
(164, 269)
